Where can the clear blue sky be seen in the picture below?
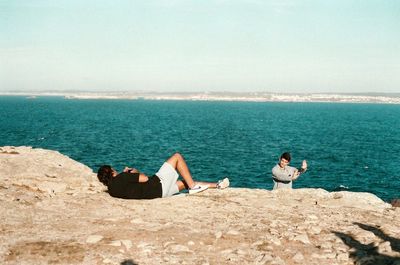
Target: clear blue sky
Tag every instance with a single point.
(206, 45)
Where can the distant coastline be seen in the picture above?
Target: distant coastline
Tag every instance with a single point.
(379, 98)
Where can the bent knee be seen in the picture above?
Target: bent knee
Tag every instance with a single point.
(174, 159)
(178, 156)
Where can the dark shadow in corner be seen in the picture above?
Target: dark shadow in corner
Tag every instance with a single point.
(363, 254)
(394, 242)
(129, 262)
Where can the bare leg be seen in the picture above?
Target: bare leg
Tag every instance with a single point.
(182, 185)
(212, 185)
(178, 162)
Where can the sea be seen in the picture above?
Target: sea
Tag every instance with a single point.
(353, 147)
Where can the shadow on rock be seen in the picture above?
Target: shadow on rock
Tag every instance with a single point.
(368, 254)
(129, 262)
(394, 242)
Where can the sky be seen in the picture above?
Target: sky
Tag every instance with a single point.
(304, 46)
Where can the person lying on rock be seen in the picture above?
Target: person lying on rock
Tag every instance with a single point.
(131, 184)
(283, 175)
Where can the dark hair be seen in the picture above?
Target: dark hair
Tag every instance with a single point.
(104, 174)
(286, 156)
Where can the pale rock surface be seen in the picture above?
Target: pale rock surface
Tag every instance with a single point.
(54, 211)
(93, 239)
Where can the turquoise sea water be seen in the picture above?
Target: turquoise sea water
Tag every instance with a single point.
(348, 146)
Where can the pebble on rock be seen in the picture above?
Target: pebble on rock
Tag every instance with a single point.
(298, 258)
(302, 238)
(178, 249)
(218, 235)
(127, 243)
(93, 239)
(233, 233)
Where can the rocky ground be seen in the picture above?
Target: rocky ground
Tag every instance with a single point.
(54, 211)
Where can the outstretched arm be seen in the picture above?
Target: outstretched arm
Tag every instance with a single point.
(301, 170)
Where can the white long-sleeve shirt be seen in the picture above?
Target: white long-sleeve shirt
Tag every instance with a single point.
(285, 174)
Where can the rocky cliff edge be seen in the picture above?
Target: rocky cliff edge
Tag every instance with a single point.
(54, 211)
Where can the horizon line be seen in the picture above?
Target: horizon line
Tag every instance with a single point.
(178, 92)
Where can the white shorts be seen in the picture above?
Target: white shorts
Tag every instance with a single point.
(168, 177)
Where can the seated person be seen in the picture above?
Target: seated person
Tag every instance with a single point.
(131, 184)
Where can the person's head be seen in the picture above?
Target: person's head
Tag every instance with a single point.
(284, 160)
(105, 173)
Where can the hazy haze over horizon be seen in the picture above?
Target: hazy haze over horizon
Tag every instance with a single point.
(282, 46)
